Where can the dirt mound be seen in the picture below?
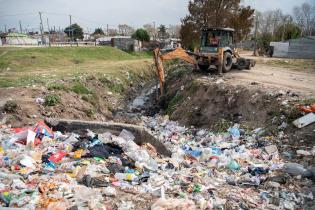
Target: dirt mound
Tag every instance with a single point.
(30, 110)
(86, 98)
(206, 101)
(209, 101)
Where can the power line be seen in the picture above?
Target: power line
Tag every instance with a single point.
(20, 14)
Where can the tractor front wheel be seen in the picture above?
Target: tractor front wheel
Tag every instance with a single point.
(227, 62)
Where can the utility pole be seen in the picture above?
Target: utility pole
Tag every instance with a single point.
(255, 46)
(70, 32)
(59, 34)
(41, 27)
(154, 31)
(21, 31)
(48, 32)
(107, 30)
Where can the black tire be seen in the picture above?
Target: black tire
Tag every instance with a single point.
(227, 62)
(241, 63)
(248, 65)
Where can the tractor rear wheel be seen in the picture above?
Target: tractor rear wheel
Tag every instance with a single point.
(227, 62)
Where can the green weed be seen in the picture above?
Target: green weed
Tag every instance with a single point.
(51, 100)
(79, 88)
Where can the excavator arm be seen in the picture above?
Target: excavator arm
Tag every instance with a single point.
(159, 58)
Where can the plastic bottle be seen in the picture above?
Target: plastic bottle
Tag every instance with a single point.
(126, 177)
(296, 169)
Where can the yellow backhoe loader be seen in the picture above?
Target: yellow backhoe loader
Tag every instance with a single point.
(216, 49)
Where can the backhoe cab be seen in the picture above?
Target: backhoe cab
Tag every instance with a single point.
(214, 39)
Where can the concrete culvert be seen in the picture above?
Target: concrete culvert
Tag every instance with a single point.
(78, 126)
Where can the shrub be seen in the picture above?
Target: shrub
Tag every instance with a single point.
(51, 100)
(79, 88)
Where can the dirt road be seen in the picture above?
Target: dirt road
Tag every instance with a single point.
(275, 78)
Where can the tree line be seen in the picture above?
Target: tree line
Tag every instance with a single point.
(271, 25)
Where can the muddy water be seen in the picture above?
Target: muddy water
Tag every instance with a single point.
(143, 104)
(144, 100)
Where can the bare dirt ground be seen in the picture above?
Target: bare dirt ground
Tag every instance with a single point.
(273, 78)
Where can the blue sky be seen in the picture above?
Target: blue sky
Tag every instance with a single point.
(98, 13)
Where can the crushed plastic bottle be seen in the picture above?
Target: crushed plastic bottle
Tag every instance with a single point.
(126, 177)
(296, 169)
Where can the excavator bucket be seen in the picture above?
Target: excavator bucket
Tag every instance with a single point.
(159, 68)
(179, 53)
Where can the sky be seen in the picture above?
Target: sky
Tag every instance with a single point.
(98, 13)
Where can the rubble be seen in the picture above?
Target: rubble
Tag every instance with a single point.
(206, 170)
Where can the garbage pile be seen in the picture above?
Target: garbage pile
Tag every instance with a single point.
(42, 169)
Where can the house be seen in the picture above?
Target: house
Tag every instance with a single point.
(87, 37)
(125, 43)
(19, 39)
(303, 48)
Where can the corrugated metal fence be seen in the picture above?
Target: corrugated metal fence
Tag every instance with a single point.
(303, 48)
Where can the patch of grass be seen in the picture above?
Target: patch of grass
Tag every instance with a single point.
(297, 64)
(90, 112)
(10, 106)
(56, 86)
(172, 104)
(79, 88)
(77, 61)
(3, 64)
(114, 86)
(146, 54)
(92, 99)
(192, 89)
(30, 80)
(51, 100)
(222, 126)
(6, 82)
(31, 66)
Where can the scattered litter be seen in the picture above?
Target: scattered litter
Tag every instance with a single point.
(235, 169)
(40, 100)
(305, 120)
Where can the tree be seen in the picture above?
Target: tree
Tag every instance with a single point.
(287, 31)
(269, 21)
(98, 31)
(215, 13)
(74, 31)
(242, 22)
(162, 33)
(112, 32)
(125, 30)
(141, 35)
(174, 31)
(150, 29)
(305, 18)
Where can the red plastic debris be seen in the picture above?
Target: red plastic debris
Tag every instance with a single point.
(56, 158)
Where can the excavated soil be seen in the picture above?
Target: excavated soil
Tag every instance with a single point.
(206, 100)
